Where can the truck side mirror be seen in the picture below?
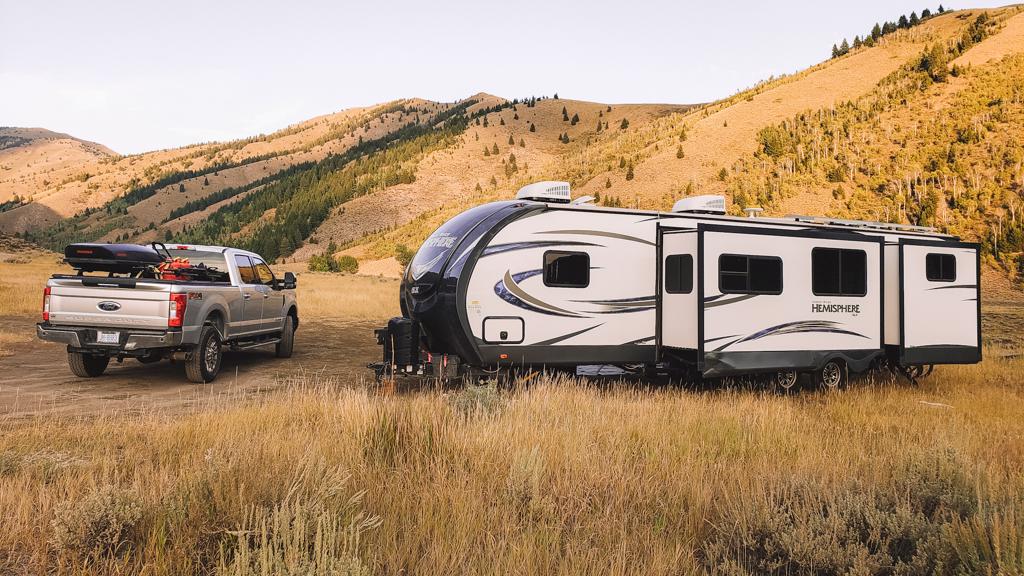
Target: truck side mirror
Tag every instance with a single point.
(289, 281)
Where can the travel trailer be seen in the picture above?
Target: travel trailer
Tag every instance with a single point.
(542, 281)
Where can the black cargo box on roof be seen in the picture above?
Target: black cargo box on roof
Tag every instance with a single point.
(116, 258)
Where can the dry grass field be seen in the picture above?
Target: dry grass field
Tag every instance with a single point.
(559, 477)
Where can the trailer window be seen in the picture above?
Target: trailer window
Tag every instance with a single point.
(940, 267)
(679, 274)
(245, 272)
(837, 272)
(742, 274)
(566, 269)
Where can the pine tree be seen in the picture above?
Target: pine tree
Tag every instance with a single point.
(495, 150)
(629, 172)
(522, 143)
(599, 125)
(206, 181)
(485, 122)
(856, 42)
(723, 174)
(556, 95)
(515, 116)
(494, 182)
(902, 22)
(876, 32)
(575, 119)
(926, 14)
(565, 114)
(914, 21)
(844, 47)
(181, 187)
(835, 51)
(502, 121)
(532, 127)
(622, 162)
(511, 140)
(608, 183)
(679, 152)
(941, 9)
(487, 151)
(624, 124)
(479, 188)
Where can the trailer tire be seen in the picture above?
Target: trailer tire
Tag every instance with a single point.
(204, 362)
(832, 375)
(287, 343)
(87, 365)
(786, 381)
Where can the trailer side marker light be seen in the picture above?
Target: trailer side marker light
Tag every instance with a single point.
(503, 356)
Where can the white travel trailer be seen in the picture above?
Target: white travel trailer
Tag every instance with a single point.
(539, 281)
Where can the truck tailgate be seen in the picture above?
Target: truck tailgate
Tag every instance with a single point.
(135, 305)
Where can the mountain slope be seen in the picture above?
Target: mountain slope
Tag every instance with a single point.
(923, 126)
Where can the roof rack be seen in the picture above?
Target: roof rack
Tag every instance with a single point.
(863, 224)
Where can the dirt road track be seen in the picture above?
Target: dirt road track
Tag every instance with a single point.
(35, 379)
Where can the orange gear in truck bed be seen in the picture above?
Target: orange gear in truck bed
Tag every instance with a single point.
(167, 269)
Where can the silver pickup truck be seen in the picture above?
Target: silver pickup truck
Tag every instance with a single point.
(185, 303)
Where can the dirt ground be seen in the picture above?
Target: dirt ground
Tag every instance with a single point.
(35, 378)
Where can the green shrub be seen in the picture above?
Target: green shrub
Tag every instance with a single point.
(348, 264)
(404, 255)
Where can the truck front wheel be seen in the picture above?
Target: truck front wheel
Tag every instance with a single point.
(87, 365)
(287, 342)
(203, 364)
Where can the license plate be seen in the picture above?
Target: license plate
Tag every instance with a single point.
(108, 337)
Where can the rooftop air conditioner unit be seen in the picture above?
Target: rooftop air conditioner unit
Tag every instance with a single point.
(545, 192)
(705, 204)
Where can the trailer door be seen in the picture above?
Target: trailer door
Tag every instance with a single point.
(940, 303)
(677, 294)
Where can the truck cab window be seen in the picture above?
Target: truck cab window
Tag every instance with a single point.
(246, 274)
(742, 274)
(566, 269)
(263, 273)
(679, 274)
(940, 267)
(836, 272)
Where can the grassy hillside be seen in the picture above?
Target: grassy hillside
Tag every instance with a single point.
(919, 124)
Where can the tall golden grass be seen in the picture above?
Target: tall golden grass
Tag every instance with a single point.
(559, 477)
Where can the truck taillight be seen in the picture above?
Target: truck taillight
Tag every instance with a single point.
(46, 304)
(177, 310)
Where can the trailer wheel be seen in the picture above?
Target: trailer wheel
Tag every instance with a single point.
(87, 365)
(287, 343)
(786, 380)
(831, 376)
(203, 363)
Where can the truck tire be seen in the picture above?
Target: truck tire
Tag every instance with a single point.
(287, 343)
(203, 364)
(87, 365)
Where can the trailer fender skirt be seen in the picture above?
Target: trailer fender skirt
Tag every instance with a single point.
(718, 364)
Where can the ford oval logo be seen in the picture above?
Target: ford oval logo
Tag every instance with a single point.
(108, 306)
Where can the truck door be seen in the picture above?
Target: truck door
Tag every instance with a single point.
(677, 315)
(273, 300)
(940, 303)
(251, 317)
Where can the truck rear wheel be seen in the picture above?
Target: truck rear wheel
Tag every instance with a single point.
(203, 364)
(87, 365)
(287, 343)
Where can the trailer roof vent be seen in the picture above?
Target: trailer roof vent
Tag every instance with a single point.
(705, 204)
(545, 192)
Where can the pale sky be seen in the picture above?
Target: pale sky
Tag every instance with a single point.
(140, 75)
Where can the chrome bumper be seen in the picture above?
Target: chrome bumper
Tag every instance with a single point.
(76, 337)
